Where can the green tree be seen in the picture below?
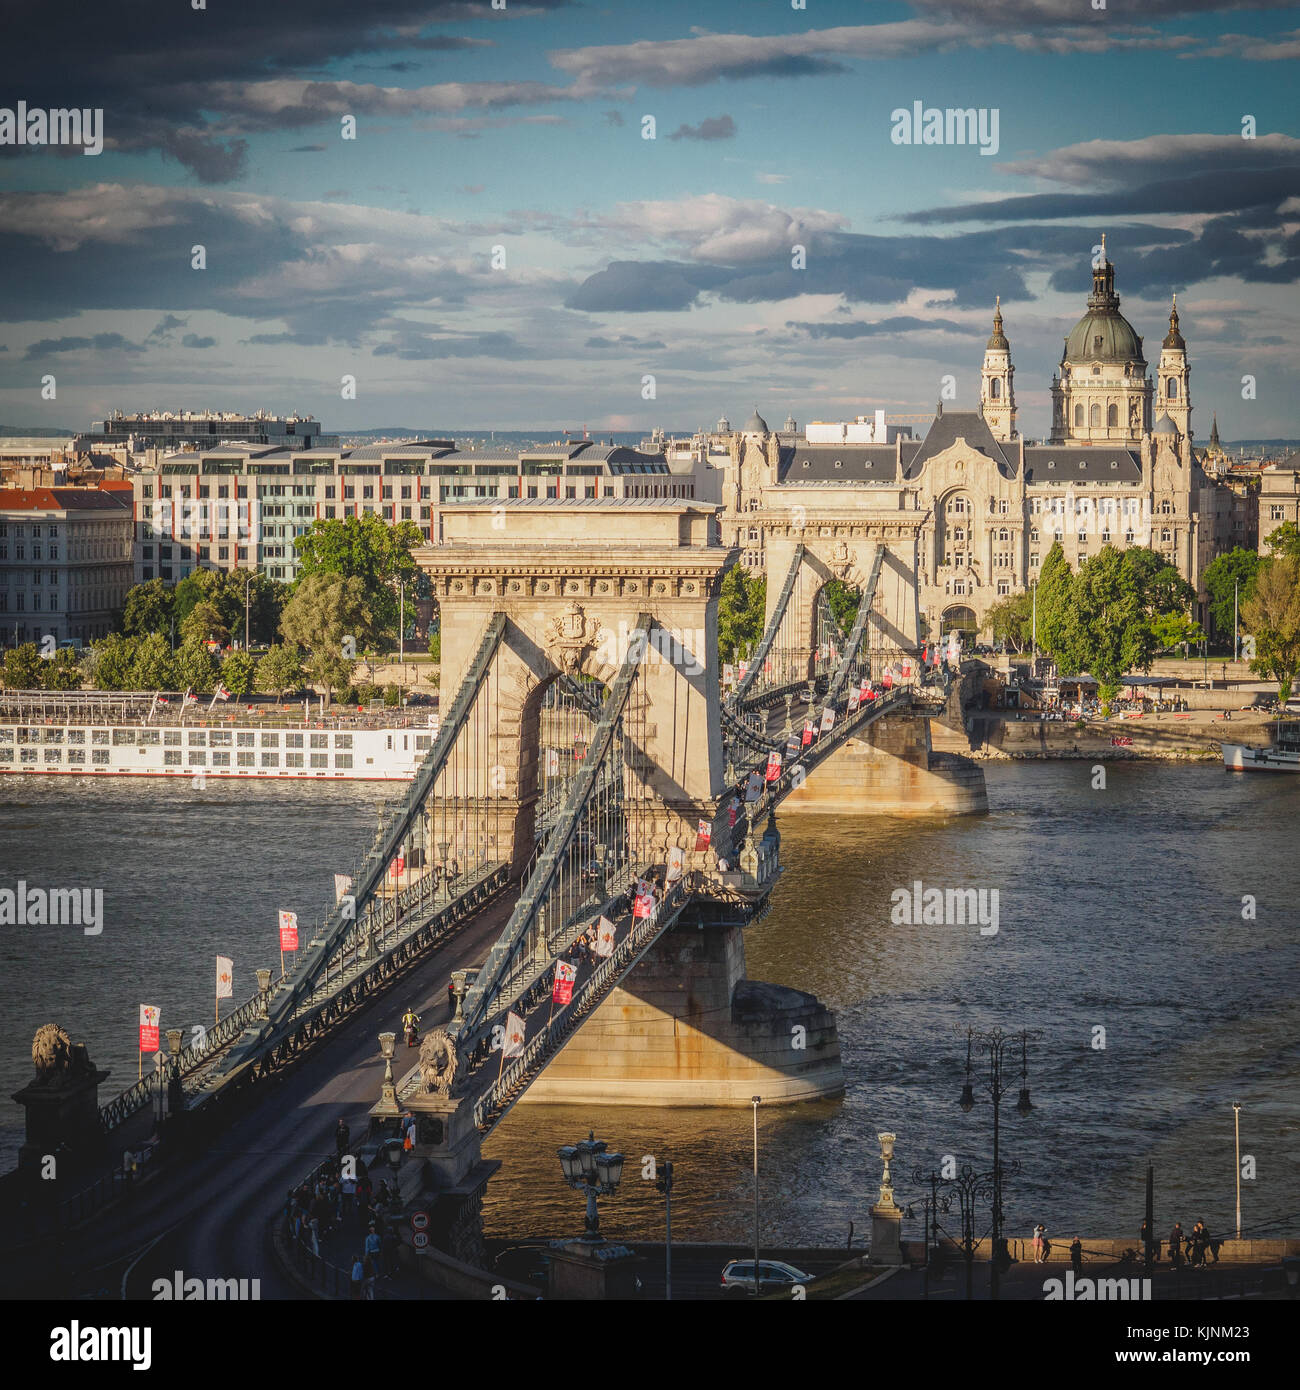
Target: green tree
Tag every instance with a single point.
(1272, 616)
(742, 600)
(1055, 596)
(148, 608)
(110, 661)
(204, 623)
(1284, 542)
(1235, 571)
(195, 667)
(280, 672)
(327, 614)
(239, 672)
(62, 671)
(843, 600)
(1012, 621)
(1172, 630)
(1105, 631)
(371, 550)
(23, 668)
(153, 667)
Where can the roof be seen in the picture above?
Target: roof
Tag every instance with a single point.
(1075, 463)
(65, 499)
(663, 504)
(756, 424)
(818, 463)
(1164, 425)
(947, 429)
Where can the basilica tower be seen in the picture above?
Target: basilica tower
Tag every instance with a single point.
(1173, 380)
(997, 393)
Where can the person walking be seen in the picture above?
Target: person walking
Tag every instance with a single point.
(1076, 1256)
(369, 1273)
(358, 1278)
(1196, 1255)
(1176, 1244)
(341, 1136)
(372, 1241)
(1208, 1242)
(1040, 1244)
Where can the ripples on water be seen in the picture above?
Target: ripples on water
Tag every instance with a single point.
(1118, 908)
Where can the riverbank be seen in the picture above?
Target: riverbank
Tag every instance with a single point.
(1187, 736)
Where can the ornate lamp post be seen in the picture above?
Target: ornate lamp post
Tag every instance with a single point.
(587, 1168)
(388, 1108)
(175, 1092)
(263, 985)
(993, 1045)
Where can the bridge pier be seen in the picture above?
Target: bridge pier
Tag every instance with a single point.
(892, 770)
(686, 1028)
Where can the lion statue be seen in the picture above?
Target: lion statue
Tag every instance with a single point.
(56, 1057)
(439, 1063)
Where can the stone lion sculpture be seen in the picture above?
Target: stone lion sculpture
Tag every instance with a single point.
(439, 1063)
(56, 1057)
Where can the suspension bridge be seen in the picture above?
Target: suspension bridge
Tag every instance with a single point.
(592, 777)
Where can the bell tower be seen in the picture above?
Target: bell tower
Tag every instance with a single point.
(997, 391)
(1173, 379)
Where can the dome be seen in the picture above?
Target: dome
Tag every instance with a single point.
(1164, 425)
(724, 426)
(1103, 334)
(756, 424)
(998, 342)
(1174, 339)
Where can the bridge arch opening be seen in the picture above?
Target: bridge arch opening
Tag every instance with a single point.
(959, 618)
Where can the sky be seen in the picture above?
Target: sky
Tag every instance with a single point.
(500, 246)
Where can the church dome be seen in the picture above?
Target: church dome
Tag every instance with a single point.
(1174, 339)
(1103, 334)
(998, 342)
(756, 424)
(1164, 425)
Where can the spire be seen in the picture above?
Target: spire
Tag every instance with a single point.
(1103, 282)
(999, 339)
(1214, 433)
(1174, 339)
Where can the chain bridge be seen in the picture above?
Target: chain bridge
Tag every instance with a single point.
(592, 776)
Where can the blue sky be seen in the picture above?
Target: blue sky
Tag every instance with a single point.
(625, 257)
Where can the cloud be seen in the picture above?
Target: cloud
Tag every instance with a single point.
(412, 346)
(1005, 12)
(193, 340)
(625, 342)
(642, 286)
(1115, 163)
(613, 118)
(308, 149)
(900, 323)
(773, 178)
(711, 128)
(1253, 48)
(98, 342)
(164, 330)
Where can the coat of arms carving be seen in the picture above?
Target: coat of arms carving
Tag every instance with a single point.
(570, 636)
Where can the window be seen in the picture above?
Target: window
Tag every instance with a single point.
(343, 760)
(270, 760)
(320, 759)
(1033, 559)
(1112, 415)
(996, 389)
(1276, 513)
(245, 759)
(221, 760)
(1171, 388)
(171, 757)
(293, 760)
(1078, 416)
(1094, 415)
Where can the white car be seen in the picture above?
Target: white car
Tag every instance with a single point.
(738, 1277)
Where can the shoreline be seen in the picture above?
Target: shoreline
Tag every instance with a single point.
(1154, 738)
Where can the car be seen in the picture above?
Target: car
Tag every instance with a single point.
(738, 1277)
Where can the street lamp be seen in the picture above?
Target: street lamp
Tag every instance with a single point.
(588, 1168)
(665, 1185)
(387, 1109)
(756, 1101)
(993, 1044)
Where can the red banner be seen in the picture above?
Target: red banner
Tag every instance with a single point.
(149, 1016)
(773, 767)
(731, 815)
(397, 867)
(807, 735)
(644, 903)
(564, 978)
(703, 834)
(288, 931)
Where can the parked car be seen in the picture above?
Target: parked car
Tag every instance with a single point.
(738, 1277)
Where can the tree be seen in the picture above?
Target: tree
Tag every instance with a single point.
(1172, 630)
(1055, 593)
(148, 608)
(1284, 542)
(110, 661)
(1237, 570)
(742, 600)
(325, 612)
(62, 671)
(843, 601)
(371, 550)
(239, 672)
(153, 667)
(1105, 630)
(195, 667)
(204, 623)
(279, 672)
(1012, 621)
(23, 668)
(1273, 618)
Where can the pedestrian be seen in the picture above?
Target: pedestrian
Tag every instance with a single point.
(1146, 1239)
(1209, 1244)
(1176, 1244)
(341, 1136)
(315, 1235)
(1196, 1252)
(369, 1273)
(1076, 1256)
(1039, 1232)
(358, 1278)
(372, 1240)
(347, 1198)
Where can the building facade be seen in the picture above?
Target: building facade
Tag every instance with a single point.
(65, 561)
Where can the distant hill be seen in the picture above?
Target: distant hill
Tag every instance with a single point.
(34, 432)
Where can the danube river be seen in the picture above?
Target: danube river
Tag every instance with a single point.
(1119, 909)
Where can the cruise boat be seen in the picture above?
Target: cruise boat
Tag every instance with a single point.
(1282, 755)
(155, 735)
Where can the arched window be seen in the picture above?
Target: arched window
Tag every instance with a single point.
(1094, 417)
(1078, 415)
(996, 391)
(1112, 415)
(1171, 388)
(1003, 534)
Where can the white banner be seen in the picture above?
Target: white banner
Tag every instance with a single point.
(225, 978)
(342, 885)
(604, 937)
(676, 862)
(512, 1044)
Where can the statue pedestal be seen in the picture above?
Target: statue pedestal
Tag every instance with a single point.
(63, 1115)
(886, 1233)
(592, 1270)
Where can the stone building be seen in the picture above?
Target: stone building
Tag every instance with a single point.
(1109, 474)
